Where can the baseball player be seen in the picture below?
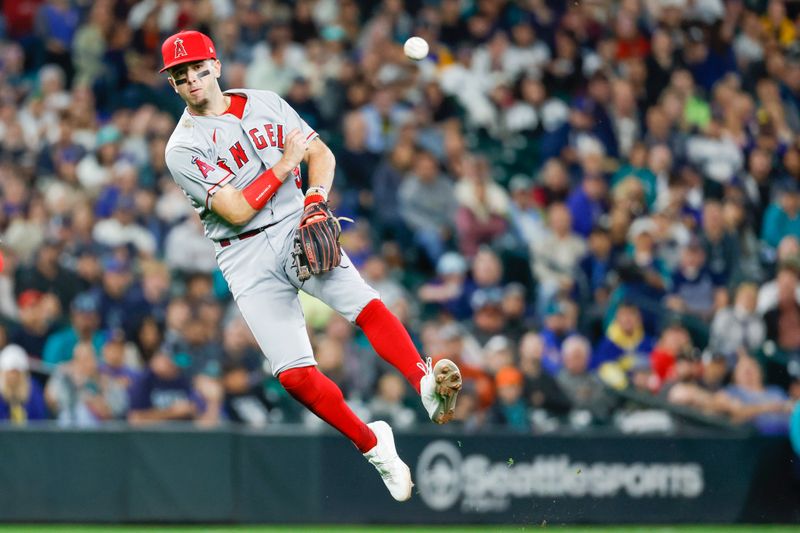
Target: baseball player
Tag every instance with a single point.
(236, 155)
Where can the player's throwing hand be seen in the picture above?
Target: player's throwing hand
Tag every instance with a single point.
(294, 148)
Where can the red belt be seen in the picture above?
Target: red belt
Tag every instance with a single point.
(243, 236)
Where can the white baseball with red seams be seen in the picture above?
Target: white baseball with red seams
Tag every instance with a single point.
(416, 48)
(207, 152)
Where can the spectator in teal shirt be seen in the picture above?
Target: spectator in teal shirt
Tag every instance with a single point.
(783, 217)
(84, 322)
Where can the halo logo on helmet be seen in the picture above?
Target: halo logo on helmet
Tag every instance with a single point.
(180, 51)
(186, 47)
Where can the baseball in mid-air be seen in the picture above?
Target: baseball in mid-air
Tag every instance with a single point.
(416, 48)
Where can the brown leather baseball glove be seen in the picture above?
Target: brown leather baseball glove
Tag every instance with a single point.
(317, 249)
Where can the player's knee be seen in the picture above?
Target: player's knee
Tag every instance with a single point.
(295, 377)
(373, 308)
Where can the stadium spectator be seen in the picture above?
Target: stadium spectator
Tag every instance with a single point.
(84, 327)
(625, 338)
(510, 410)
(669, 132)
(115, 362)
(21, 397)
(427, 205)
(541, 389)
(37, 313)
(387, 404)
(556, 256)
(767, 406)
(80, 396)
(738, 326)
(162, 393)
(584, 389)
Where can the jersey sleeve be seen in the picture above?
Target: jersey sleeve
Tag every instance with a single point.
(295, 121)
(196, 175)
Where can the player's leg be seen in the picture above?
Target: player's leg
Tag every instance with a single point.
(346, 292)
(270, 306)
(272, 310)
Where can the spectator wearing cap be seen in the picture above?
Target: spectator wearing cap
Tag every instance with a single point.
(510, 409)
(498, 352)
(449, 292)
(481, 217)
(122, 229)
(95, 169)
(782, 218)
(524, 214)
(695, 289)
(519, 315)
(80, 395)
(487, 318)
(738, 326)
(636, 165)
(37, 316)
(625, 339)
(427, 205)
(555, 257)
(84, 327)
(559, 323)
(162, 393)
(115, 363)
(596, 267)
(21, 398)
(120, 301)
(587, 204)
(47, 275)
(720, 246)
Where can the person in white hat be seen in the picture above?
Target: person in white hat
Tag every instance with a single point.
(21, 397)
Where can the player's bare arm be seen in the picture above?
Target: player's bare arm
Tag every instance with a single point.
(232, 204)
(321, 164)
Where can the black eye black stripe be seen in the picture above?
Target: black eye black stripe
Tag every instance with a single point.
(201, 74)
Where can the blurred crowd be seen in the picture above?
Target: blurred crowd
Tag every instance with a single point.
(593, 207)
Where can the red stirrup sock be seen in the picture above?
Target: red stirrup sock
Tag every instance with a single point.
(323, 398)
(390, 339)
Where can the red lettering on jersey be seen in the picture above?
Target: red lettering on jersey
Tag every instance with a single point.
(297, 179)
(259, 141)
(203, 167)
(270, 134)
(239, 156)
(221, 163)
(280, 136)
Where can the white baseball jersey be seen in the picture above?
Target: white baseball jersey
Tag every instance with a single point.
(205, 153)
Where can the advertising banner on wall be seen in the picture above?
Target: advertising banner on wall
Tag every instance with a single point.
(290, 476)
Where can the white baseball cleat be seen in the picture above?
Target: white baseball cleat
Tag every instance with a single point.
(439, 389)
(394, 472)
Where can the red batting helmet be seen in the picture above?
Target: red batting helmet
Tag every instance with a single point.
(187, 47)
